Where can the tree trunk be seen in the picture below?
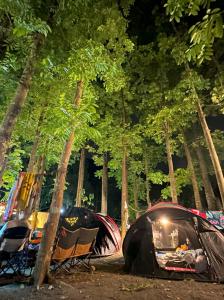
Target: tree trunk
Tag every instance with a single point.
(209, 194)
(190, 164)
(147, 189)
(135, 194)
(33, 155)
(18, 100)
(124, 195)
(172, 178)
(208, 139)
(104, 185)
(41, 269)
(80, 178)
(34, 200)
(40, 182)
(47, 241)
(212, 151)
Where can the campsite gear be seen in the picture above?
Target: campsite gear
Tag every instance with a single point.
(108, 240)
(36, 237)
(38, 219)
(150, 245)
(9, 208)
(25, 191)
(73, 248)
(84, 247)
(13, 249)
(12, 199)
(22, 194)
(64, 248)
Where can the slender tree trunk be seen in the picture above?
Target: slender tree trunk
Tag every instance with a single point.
(80, 178)
(18, 101)
(33, 155)
(47, 242)
(35, 199)
(40, 182)
(209, 141)
(41, 269)
(147, 185)
(209, 193)
(124, 195)
(212, 151)
(135, 194)
(104, 185)
(190, 164)
(170, 164)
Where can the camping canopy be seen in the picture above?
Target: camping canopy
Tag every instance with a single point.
(169, 241)
(108, 240)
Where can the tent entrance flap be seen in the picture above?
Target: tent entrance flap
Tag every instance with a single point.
(177, 247)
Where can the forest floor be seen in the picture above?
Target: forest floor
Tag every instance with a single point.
(109, 281)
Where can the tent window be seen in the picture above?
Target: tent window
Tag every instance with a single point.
(177, 246)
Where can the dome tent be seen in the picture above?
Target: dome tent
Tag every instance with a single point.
(169, 241)
(108, 239)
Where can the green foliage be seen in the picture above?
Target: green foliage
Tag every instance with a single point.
(204, 32)
(87, 200)
(14, 166)
(182, 179)
(158, 177)
(177, 9)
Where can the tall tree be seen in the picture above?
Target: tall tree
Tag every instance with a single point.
(170, 164)
(78, 198)
(209, 193)
(193, 176)
(104, 197)
(124, 195)
(45, 251)
(33, 30)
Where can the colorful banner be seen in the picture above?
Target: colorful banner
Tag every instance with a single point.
(216, 218)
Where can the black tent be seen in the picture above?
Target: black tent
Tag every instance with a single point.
(169, 241)
(108, 240)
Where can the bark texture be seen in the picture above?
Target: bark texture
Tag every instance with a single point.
(104, 185)
(124, 196)
(147, 184)
(209, 193)
(80, 178)
(135, 194)
(170, 165)
(191, 169)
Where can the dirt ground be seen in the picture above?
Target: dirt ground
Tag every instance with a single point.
(110, 282)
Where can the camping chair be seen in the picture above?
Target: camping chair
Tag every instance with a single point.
(64, 248)
(84, 248)
(13, 250)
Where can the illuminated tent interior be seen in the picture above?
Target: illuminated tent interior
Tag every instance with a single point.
(169, 241)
